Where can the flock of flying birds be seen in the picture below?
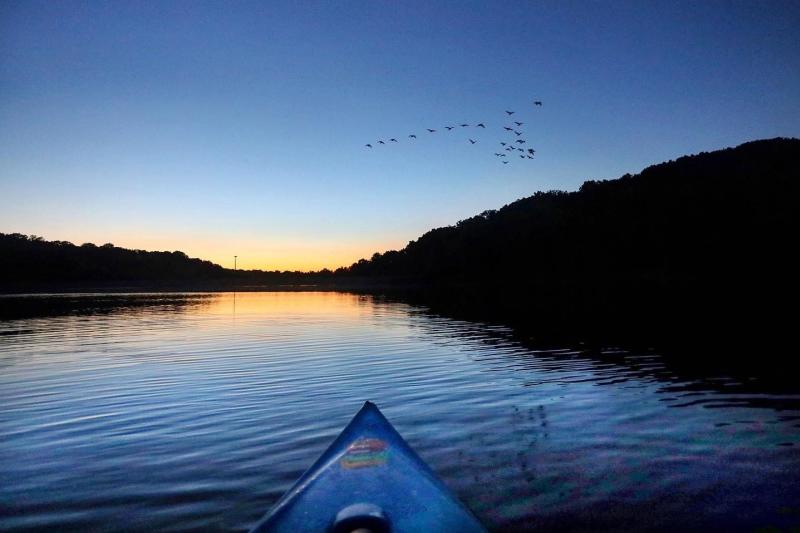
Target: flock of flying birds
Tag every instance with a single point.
(513, 145)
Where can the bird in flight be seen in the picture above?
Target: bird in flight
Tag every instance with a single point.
(412, 136)
(368, 145)
(448, 128)
(381, 142)
(505, 162)
(430, 130)
(510, 112)
(472, 142)
(497, 155)
(507, 128)
(537, 102)
(393, 140)
(503, 143)
(464, 125)
(522, 156)
(518, 133)
(531, 151)
(530, 157)
(518, 123)
(520, 141)
(480, 125)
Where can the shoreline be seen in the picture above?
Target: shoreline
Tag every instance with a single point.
(350, 285)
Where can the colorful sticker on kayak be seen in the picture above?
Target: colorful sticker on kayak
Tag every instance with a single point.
(365, 453)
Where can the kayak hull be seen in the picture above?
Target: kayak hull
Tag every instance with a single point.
(371, 474)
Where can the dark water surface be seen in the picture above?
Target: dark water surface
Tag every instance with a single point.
(196, 412)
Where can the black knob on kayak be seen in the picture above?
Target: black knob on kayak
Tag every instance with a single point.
(362, 518)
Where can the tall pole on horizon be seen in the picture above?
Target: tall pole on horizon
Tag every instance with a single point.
(234, 262)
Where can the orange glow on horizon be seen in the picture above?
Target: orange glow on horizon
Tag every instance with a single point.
(253, 253)
(288, 259)
(302, 256)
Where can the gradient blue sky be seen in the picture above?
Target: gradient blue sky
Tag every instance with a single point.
(227, 128)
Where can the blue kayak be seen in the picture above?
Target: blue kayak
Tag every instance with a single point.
(369, 479)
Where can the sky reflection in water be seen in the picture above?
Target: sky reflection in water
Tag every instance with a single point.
(197, 411)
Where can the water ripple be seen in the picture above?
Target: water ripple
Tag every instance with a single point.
(195, 412)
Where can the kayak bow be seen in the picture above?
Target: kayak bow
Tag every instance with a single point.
(371, 480)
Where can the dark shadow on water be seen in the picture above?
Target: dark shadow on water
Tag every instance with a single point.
(49, 306)
(692, 355)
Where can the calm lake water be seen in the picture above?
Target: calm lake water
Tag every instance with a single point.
(197, 411)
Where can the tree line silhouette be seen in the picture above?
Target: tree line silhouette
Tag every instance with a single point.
(705, 239)
(726, 214)
(693, 251)
(29, 261)
(31, 258)
(723, 214)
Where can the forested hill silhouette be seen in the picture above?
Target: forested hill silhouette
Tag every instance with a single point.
(710, 216)
(718, 221)
(32, 263)
(33, 259)
(693, 251)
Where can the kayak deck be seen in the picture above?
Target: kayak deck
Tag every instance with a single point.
(369, 477)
